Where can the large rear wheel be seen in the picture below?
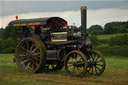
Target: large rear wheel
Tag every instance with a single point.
(31, 55)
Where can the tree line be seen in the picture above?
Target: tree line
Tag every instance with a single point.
(9, 35)
(115, 46)
(8, 39)
(109, 28)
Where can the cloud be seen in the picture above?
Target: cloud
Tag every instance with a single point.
(11, 7)
(99, 16)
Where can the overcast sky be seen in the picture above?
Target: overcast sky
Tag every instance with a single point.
(99, 11)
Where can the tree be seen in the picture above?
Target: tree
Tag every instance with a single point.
(13, 32)
(116, 27)
(95, 41)
(95, 30)
(7, 46)
(8, 37)
(119, 40)
(1, 33)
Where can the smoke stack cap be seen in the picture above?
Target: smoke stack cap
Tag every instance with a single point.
(83, 8)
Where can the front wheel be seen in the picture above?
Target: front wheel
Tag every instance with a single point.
(76, 64)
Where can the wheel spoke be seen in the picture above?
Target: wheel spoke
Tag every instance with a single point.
(28, 66)
(31, 46)
(72, 59)
(97, 58)
(89, 69)
(35, 58)
(36, 54)
(35, 63)
(25, 61)
(32, 65)
(24, 49)
(34, 50)
(80, 59)
(94, 56)
(97, 68)
(98, 61)
(28, 46)
(92, 70)
(90, 59)
(99, 65)
(80, 63)
(22, 56)
(75, 56)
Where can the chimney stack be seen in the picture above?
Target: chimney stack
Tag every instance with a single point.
(83, 22)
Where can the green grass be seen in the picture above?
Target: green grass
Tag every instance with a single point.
(108, 36)
(116, 73)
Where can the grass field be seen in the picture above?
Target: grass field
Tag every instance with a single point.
(116, 73)
(108, 36)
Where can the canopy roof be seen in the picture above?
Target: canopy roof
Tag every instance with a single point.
(47, 22)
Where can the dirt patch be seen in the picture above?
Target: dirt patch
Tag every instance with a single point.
(66, 80)
(58, 82)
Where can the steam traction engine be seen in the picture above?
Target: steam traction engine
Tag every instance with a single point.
(52, 45)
